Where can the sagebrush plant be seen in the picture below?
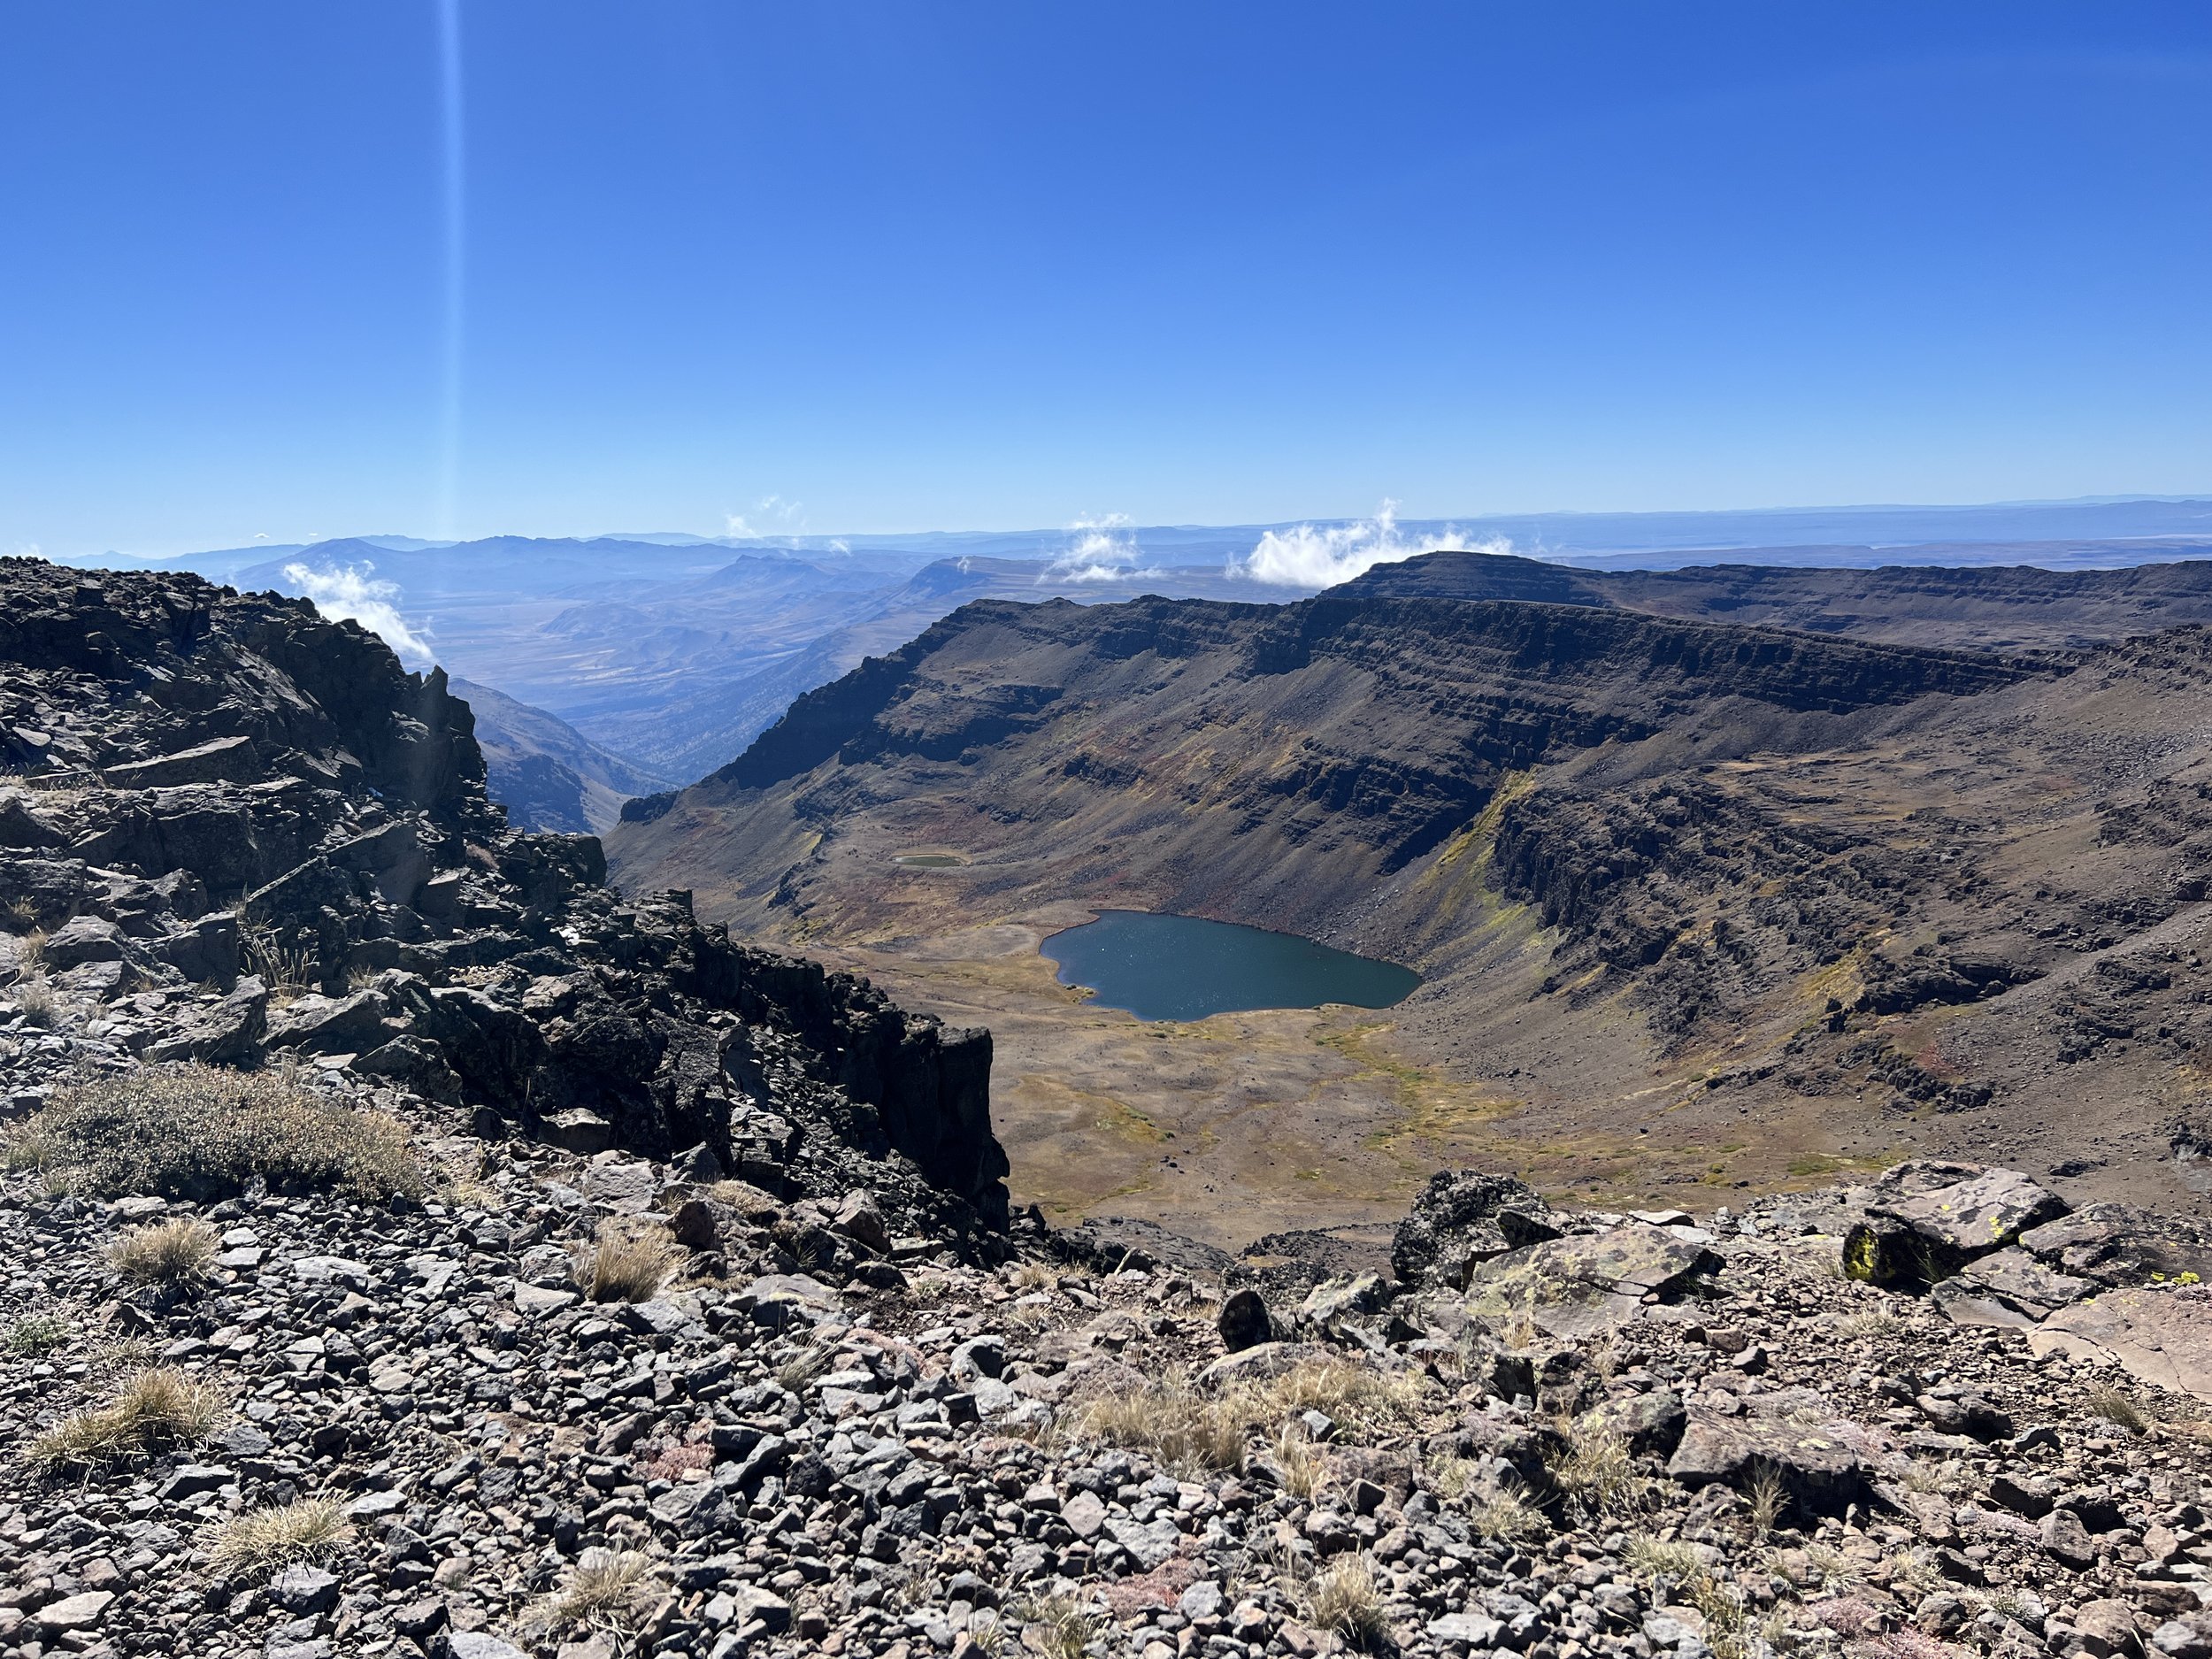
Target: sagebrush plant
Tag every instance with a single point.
(306, 1529)
(155, 1411)
(193, 1131)
(37, 1334)
(178, 1252)
(629, 1263)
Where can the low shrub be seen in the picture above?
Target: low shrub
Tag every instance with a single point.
(192, 1131)
(37, 1334)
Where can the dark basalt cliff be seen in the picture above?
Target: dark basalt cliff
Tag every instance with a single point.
(252, 832)
(2003, 608)
(1380, 722)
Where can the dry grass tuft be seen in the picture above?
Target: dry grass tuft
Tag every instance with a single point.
(1192, 1431)
(1508, 1514)
(802, 1371)
(19, 916)
(304, 1530)
(1056, 1626)
(1599, 1469)
(191, 1130)
(41, 1003)
(605, 1591)
(1025, 1275)
(155, 1411)
(288, 970)
(628, 1263)
(2116, 1406)
(1662, 1558)
(1767, 1501)
(1876, 1322)
(1167, 1417)
(1360, 1397)
(1727, 1625)
(1942, 1479)
(1343, 1599)
(177, 1252)
(1304, 1470)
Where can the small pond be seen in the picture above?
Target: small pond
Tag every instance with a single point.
(1185, 967)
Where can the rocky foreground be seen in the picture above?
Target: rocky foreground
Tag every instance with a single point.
(414, 1248)
(1629, 1439)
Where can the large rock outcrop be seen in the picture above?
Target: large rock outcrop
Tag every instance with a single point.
(218, 785)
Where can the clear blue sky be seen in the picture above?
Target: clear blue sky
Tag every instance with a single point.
(967, 265)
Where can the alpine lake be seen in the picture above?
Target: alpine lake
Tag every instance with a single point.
(1167, 967)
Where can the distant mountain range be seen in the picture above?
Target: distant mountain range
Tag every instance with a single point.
(664, 654)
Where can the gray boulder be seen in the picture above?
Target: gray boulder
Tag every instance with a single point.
(1462, 1218)
(1586, 1284)
(1919, 1231)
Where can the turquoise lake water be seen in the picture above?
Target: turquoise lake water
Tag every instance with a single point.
(1186, 967)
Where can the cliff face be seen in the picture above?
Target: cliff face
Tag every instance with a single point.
(224, 791)
(1266, 762)
(2001, 608)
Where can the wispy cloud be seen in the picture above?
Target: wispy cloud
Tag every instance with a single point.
(1098, 550)
(1321, 555)
(771, 516)
(351, 593)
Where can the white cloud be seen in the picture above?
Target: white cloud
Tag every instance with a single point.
(351, 593)
(771, 515)
(1310, 555)
(1098, 550)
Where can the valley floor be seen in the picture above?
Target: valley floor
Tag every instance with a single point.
(1229, 1128)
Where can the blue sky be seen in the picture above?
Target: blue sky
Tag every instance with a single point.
(965, 265)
